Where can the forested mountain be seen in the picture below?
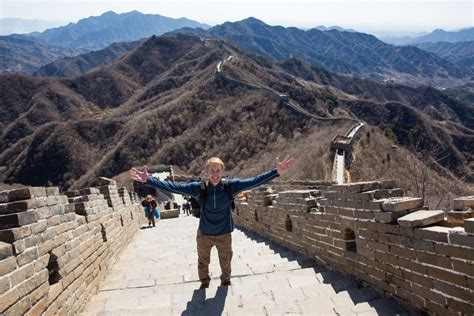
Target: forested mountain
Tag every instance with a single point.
(165, 103)
(97, 32)
(80, 64)
(22, 54)
(461, 53)
(438, 35)
(350, 53)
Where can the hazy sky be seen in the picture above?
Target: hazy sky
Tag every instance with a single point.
(368, 15)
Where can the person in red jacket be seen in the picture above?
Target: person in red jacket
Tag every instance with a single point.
(151, 209)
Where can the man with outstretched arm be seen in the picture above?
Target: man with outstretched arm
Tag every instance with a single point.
(215, 223)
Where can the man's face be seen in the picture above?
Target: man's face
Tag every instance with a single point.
(214, 173)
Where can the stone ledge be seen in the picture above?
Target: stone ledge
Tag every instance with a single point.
(421, 218)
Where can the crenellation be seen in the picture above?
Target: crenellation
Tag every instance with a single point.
(55, 247)
(463, 203)
(52, 261)
(421, 257)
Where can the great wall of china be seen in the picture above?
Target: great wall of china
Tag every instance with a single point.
(56, 247)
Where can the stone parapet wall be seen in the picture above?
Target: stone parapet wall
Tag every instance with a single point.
(55, 248)
(173, 213)
(424, 258)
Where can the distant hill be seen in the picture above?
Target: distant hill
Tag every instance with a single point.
(18, 26)
(461, 53)
(349, 53)
(100, 31)
(334, 27)
(80, 64)
(438, 35)
(23, 54)
(163, 103)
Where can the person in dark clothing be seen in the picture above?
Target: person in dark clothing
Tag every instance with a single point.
(194, 205)
(151, 210)
(215, 222)
(185, 208)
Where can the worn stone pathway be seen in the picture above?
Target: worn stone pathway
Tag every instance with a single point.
(157, 275)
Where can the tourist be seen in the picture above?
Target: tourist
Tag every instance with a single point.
(151, 210)
(215, 223)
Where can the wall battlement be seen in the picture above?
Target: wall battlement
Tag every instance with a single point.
(424, 258)
(55, 248)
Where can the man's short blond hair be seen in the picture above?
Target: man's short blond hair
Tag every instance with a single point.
(215, 160)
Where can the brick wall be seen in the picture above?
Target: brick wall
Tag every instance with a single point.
(424, 258)
(55, 248)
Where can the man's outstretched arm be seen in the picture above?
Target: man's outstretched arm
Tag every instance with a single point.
(282, 167)
(191, 188)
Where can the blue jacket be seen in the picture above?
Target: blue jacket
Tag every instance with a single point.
(216, 215)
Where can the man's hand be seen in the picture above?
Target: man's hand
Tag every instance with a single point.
(140, 176)
(284, 165)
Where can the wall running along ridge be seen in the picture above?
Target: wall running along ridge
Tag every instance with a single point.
(423, 258)
(55, 248)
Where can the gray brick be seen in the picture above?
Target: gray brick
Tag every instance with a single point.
(27, 256)
(22, 274)
(6, 250)
(469, 226)
(18, 206)
(21, 194)
(52, 191)
(39, 226)
(44, 212)
(13, 234)
(436, 233)
(8, 299)
(459, 237)
(18, 246)
(462, 203)
(4, 284)
(388, 217)
(401, 204)
(7, 265)
(421, 218)
(17, 219)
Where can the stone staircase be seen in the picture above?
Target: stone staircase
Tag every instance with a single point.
(157, 275)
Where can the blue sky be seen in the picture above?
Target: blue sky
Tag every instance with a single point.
(363, 15)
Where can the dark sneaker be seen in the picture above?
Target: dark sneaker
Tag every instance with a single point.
(149, 223)
(204, 286)
(225, 283)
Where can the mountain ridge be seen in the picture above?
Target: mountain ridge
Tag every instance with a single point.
(460, 53)
(164, 104)
(438, 35)
(350, 53)
(22, 54)
(96, 32)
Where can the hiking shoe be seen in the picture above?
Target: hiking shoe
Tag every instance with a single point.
(204, 286)
(225, 283)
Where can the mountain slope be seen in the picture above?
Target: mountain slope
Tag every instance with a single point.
(80, 64)
(100, 31)
(438, 35)
(23, 54)
(461, 53)
(349, 53)
(164, 103)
